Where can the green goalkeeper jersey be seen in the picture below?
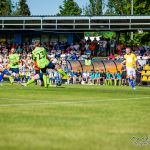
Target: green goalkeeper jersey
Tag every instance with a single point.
(39, 54)
(14, 60)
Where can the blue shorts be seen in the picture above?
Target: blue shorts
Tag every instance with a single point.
(14, 70)
(1, 77)
(6, 72)
(49, 66)
(41, 76)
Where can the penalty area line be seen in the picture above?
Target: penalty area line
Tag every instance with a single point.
(40, 102)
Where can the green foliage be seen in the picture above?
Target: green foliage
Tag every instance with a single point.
(23, 9)
(69, 8)
(94, 8)
(100, 34)
(5, 7)
(119, 7)
(123, 7)
(142, 7)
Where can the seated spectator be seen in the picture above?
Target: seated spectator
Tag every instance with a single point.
(85, 76)
(102, 77)
(108, 80)
(91, 77)
(78, 77)
(118, 75)
(111, 56)
(113, 79)
(97, 77)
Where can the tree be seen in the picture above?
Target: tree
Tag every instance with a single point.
(142, 7)
(118, 7)
(69, 8)
(5, 7)
(94, 8)
(123, 7)
(23, 8)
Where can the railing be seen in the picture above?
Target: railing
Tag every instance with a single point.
(75, 23)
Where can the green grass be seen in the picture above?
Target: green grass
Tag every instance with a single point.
(74, 117)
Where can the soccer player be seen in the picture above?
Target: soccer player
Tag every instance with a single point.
(1, 74)
(3, 71)
(13, 64)
(130, 60)
(39, 55)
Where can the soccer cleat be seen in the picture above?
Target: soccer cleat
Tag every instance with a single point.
(65, 77)
(134, 88)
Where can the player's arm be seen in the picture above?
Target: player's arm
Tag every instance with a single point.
(135, 61)
(124, 61)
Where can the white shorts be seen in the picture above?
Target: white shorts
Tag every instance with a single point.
(130, 71)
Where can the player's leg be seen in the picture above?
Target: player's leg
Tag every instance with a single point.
(44, 76)
(57, 67)
(16, 74)
(32, 80)
(9, 74)
(115, 82)
(130, 75)
(106, 82)
(119, 82)
(110, 82)
(1, 78)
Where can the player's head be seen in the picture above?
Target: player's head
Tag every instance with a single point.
(36, 43)
(12, 51)
(128, 50)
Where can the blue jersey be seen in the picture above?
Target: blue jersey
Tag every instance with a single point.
(118, 76)
(113, 76)
(92, 75)
(72, 74)
(6, 72)
(108, 75)
(1, 76)
(97, 75)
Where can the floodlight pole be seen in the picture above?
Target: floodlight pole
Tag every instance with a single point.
(132, 13)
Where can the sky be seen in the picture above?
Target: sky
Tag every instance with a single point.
(48, 7)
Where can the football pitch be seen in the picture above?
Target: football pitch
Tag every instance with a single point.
(74, 117)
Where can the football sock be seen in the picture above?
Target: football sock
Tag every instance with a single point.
(63, 73)
(45, 80)
(30, 82)
(11, 79)
(131, 82)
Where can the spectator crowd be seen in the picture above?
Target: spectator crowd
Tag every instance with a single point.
(60, 52)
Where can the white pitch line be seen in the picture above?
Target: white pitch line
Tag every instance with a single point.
(70, 102)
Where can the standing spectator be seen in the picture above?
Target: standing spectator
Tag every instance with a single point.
(78, 76)
(102, 77)
(97, 77)
(124, 75)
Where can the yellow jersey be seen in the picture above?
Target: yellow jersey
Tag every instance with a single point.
(130, 60)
